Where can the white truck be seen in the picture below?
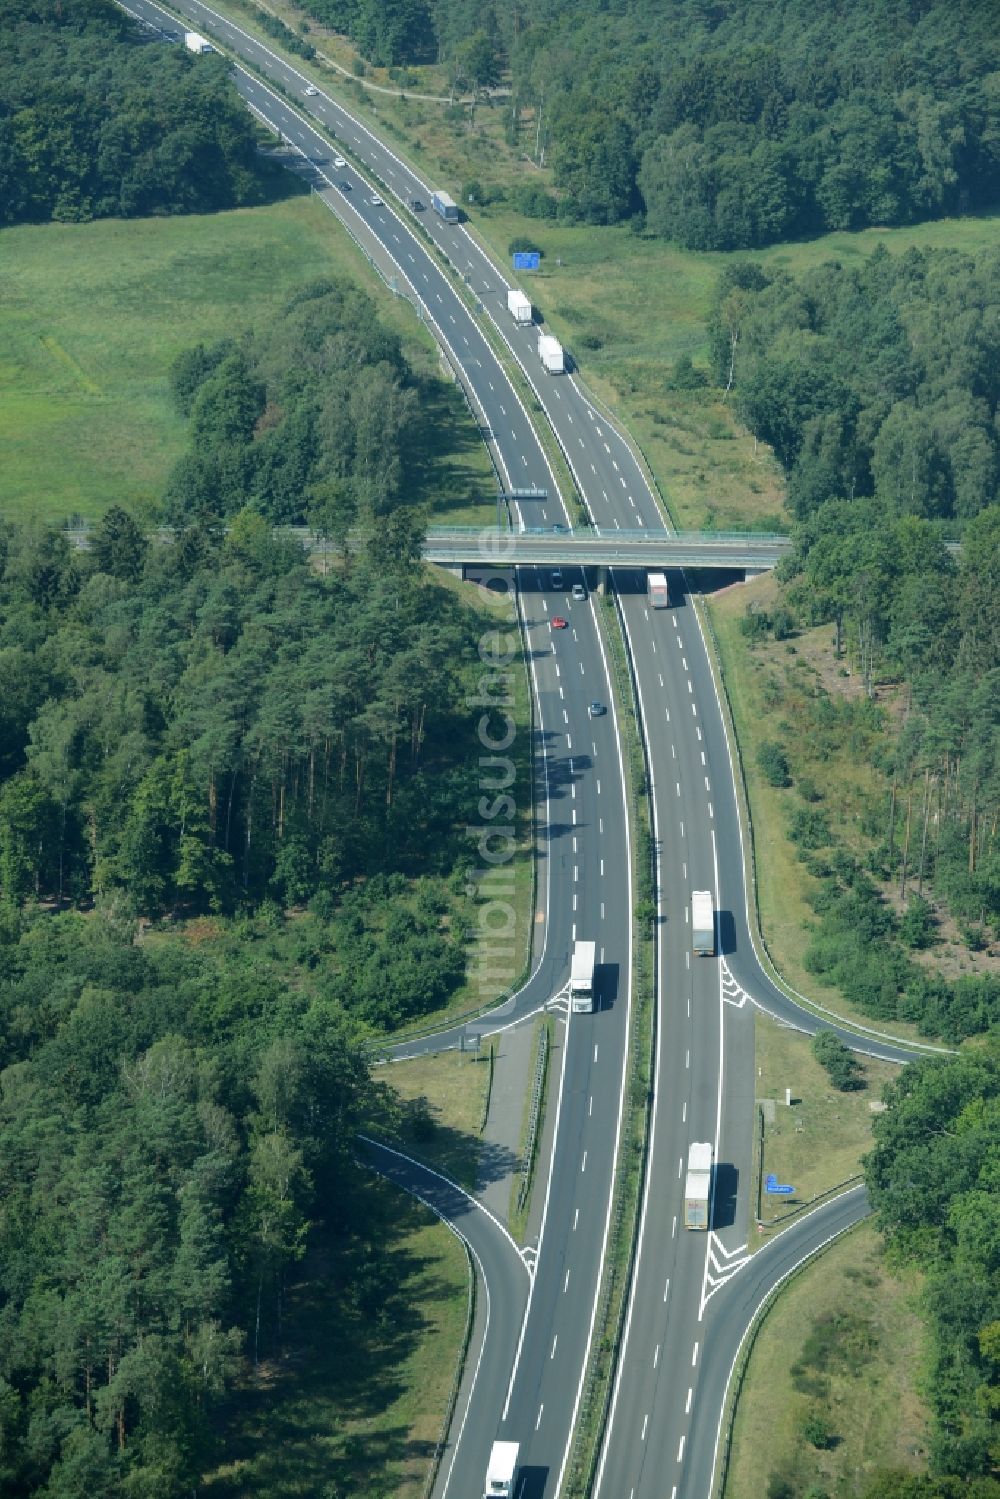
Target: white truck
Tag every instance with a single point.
(445, 207)
(659, 592)
(197, 43)
(550, 352)
(519, 306)
(581, 978)
(501, 1475)
(702, 924)
(698, 1185)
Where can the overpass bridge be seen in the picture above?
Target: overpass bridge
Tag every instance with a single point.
(464, 546)
(460, 547)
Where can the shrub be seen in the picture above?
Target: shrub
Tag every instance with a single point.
(773, 763)
(817, 1430)
(917, 925)
(522, 245)
(841, 1065)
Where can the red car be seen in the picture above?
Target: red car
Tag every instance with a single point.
(558, 623)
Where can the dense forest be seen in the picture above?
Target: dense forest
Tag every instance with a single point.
(209, 729)
(877, 386)
(169, 1132)
(315, 416)
(207, 725)
(724, 124)
(96, 120)
(932, 1177)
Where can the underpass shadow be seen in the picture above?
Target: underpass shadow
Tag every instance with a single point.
(727, 1181)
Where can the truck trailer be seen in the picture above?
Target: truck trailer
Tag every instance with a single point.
(550, 352)
(501, 1475)
(519, 306)
(445, 206)
(197, 43)
(698, 1185)
(581, 978)
(659, 593)
(702, 924)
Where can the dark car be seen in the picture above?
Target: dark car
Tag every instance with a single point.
(345, 187)
(597, 710)
(416, 205)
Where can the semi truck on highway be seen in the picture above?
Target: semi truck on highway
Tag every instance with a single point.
(445, 206)
(519, 306)
(501, 1475)
(550, 352)
(698, 1185)
(702, 924)
(581, 978)
(196, 43)
(659, 593)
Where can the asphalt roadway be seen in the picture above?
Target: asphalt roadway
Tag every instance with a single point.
(655, 1441)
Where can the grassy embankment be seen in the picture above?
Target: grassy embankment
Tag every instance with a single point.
(816, 1143)
(843, 1343)
(92, 316)
(796, 692)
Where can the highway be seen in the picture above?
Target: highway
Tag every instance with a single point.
(584, 850)
(664, 1400)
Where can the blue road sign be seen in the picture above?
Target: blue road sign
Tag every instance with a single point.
(778, 1189)
(527, 260)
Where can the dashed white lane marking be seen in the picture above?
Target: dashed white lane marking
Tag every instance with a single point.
(583, 1163)
(553, 1353)
(680, 1450)
(666, 1289)
(645, 1423)
(656, 1356)
(694, 1356)
(539, 1422)
(566, 1283)
(687, 1407)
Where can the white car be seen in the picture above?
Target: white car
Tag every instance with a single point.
(376, 201)
(339, 161)
(310, 91)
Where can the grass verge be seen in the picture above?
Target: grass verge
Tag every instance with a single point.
(817, 1142)
(838, 1357)
(532, 1124)
(354, 1403)
(442, 1100)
